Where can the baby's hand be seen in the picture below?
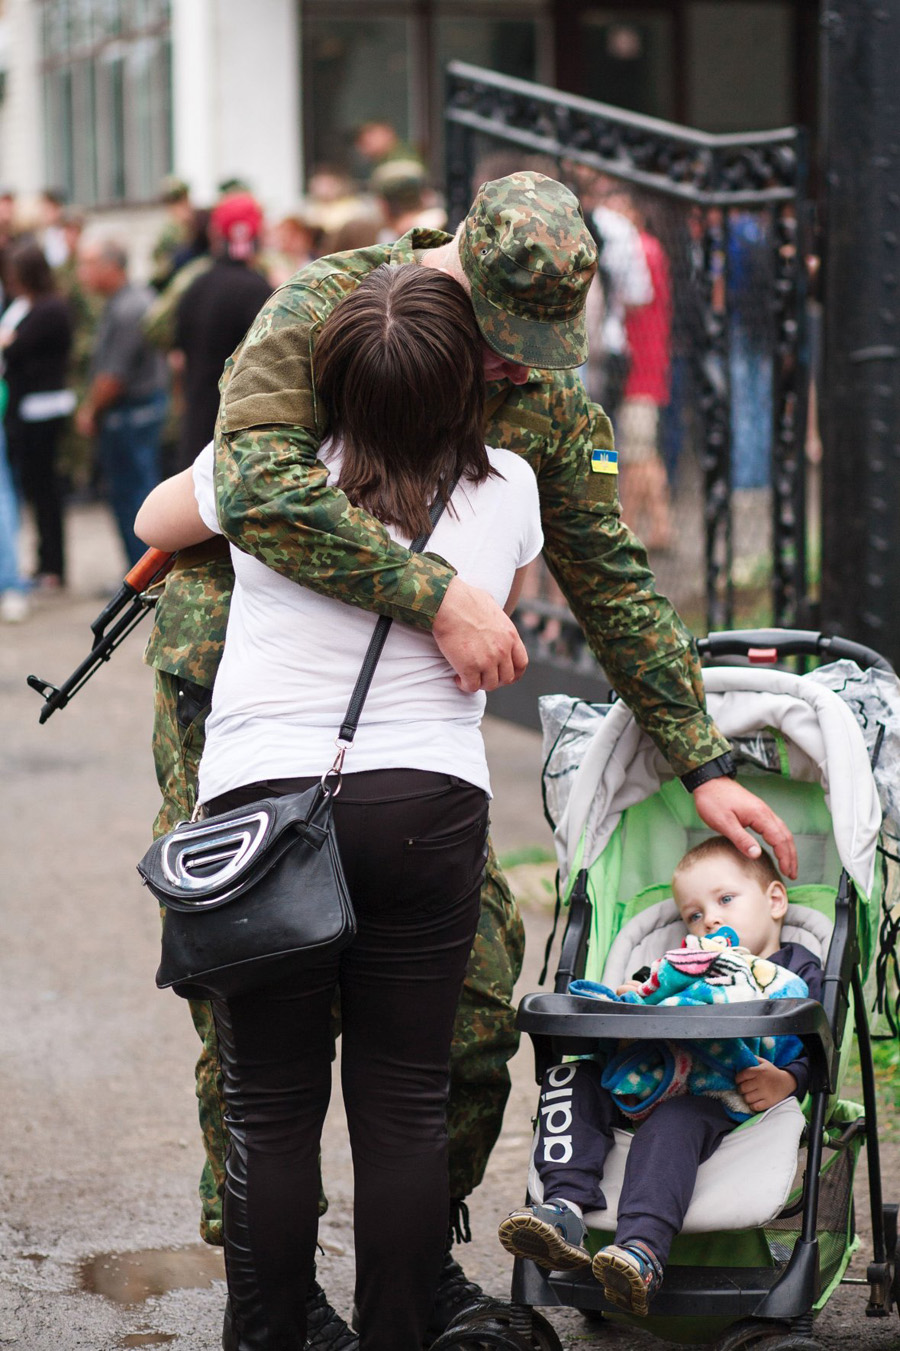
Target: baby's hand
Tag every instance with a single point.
(635, 985)
(763, 1085)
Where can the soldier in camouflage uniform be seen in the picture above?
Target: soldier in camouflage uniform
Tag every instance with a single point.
(526, 258)
(176, 197)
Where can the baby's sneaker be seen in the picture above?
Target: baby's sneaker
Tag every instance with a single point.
(630, 1276)
(551, 1235)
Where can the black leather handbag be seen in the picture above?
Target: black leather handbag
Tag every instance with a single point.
(257, 893)
(250, 895)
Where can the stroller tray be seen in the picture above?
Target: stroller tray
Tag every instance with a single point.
(578, 1024)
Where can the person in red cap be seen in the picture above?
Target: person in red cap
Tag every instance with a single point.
(214, 314)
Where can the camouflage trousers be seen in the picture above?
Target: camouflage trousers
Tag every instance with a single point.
(484, 1036)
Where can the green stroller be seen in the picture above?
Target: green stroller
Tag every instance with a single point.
(755, 1263)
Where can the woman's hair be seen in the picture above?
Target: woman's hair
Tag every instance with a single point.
(398, 370)
(30, 269)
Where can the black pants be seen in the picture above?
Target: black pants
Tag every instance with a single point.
(413, 849)
(576, 1118)
(33, 452)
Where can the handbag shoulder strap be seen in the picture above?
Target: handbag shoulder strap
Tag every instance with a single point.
(376, 645)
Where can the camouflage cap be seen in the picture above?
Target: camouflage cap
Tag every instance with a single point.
(529, 259)
(173, 189)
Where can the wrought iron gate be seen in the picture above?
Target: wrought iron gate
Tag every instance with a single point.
(730, 213)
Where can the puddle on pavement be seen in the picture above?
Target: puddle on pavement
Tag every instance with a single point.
(132, 1277)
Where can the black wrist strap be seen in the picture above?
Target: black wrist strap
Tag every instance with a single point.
(379, 637)
(723, 767)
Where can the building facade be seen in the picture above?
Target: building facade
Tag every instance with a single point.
(103, 97)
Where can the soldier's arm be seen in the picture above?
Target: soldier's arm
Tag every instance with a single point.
(274, 502)
(637, 636)
(635, 633)
(272, 494)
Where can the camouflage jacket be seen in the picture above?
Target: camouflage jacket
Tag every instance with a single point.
(274, 502)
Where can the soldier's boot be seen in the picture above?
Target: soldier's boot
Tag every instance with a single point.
(455, 1292)
(325, 1329)
(252, 1333)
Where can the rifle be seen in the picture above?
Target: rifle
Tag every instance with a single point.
(129, 604)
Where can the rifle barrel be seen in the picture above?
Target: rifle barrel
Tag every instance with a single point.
(151, 567)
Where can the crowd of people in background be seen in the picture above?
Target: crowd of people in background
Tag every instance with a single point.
(111, 383)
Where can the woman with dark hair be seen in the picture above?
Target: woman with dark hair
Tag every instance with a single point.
(36, 338)
(398, 375)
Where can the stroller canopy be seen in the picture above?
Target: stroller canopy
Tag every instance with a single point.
(621, 766)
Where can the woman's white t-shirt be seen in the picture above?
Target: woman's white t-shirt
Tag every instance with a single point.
(292, 657)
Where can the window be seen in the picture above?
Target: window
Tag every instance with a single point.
(627, 58)
(384, 60)
(107, 98)
(741, 65)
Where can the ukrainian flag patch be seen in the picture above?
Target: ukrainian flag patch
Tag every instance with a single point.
(604, 462)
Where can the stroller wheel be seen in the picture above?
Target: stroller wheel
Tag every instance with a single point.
(499, 1327)
(892, 1240)
(750, 1332)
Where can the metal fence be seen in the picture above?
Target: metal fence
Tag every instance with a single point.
(699, 353)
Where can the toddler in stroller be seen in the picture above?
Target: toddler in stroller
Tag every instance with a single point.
(713, 886)
(770, 1227)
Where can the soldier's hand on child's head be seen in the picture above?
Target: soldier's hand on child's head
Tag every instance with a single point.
(763, 1085)
(730, 810)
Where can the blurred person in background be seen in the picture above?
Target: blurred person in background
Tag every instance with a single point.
(678, 425)
(36, 339)
(159, 321)
(359, 232)
(214, 314)
(8, 232)
(502, 163)
(643, 482)
(52, 234)
(175, 234)
(749, 279)
(196, 242)
(233, 183)
(125, 405)
(406, 201)
(293, 243)
(77, 460)
(623, 282)
(14, 588)
(376, 143)
(335, 200)
(189, 261)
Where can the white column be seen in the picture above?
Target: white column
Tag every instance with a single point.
(22, 165)
(194, 83)
(257, 73)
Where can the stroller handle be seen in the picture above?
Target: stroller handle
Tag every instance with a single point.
(765, 647)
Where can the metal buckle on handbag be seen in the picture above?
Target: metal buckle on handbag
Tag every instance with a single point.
(208, 855)
(335, 772)
(204, 863)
